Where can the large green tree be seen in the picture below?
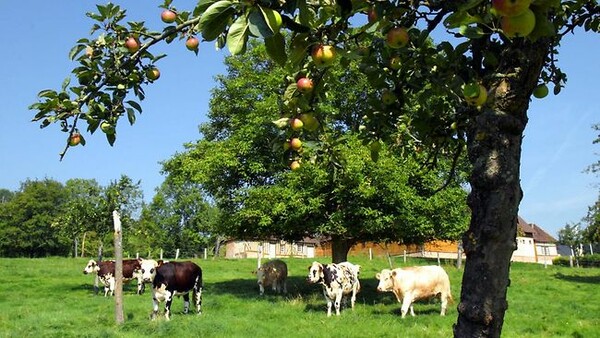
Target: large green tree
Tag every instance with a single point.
(482, 48)
(344, 196)
(27, 221)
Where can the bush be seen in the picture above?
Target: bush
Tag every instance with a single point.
(586, 261)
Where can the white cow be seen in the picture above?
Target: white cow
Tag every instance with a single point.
(416, 283)
(337, 280)
(272, 273)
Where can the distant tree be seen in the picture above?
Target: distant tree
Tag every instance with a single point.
(592, 231)
(6, 195)
(26, 221)
(80, 215)
(571, 235)
(179, 217)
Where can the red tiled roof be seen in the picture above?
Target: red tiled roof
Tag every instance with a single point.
(534, 231)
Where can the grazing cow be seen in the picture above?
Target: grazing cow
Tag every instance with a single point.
(416, 283)
(337, 280)
(105, 271)
(171, 279)
(272, 273)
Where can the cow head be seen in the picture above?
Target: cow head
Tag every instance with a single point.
(148, 269)
(315, 272)
(386, 280)
(91, 267)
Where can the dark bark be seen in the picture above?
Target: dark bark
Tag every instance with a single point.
(494, 150)
(340, 248)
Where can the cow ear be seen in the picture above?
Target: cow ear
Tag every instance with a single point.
(159, 263)
(378, 276)
(393, 273)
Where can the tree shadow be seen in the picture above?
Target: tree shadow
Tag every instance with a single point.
(578, 279)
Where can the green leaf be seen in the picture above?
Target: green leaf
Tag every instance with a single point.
(215, 19)
(257, 25)
(238, 36)
(272, 18)
(111, 138)
(75, 51)
(135, 105)
(130, 116)
(298, 48)
(66, 83)
(275, 46)
(461, 18)
(471, 32)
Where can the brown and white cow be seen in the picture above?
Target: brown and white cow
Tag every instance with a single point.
(171, 279)
(337, 280)
(272, 273)
(105, 271)
(416, 283)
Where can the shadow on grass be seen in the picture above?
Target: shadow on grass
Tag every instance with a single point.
(578, 279)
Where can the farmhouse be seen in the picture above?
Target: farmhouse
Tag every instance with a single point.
(534, 245)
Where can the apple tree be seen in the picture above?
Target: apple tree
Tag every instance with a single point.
(476, 63)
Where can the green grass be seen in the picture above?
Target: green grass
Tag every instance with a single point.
(52, 298)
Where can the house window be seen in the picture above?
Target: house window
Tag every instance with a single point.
(282, 248)
(299, 248)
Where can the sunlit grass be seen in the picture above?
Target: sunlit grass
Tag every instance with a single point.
(52, 298)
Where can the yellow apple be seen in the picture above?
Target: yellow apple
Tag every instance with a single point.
(323, 55)
(518, 26)
(396, 37)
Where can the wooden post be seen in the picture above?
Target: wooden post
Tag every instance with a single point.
(438, 259)
(404, 255)
(118, 268)
(177, 254)
(76, 242)
(370, 254)
(161, 253)
(205, 253)
(259, 255)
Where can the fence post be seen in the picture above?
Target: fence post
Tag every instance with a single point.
(438, 259)
(459, 257)
(404, 255)
(370, 254)
(118, 268)
(205, 253)
(177, 254)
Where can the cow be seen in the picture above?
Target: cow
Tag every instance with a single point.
(416, 283)
(105, 271)
(171, 279)
(272, 273)
(337, 280)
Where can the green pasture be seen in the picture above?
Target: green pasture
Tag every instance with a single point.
(51, 297)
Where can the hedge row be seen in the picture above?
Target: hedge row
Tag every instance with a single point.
(587, 261)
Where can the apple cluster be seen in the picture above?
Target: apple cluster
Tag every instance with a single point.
(517, 19)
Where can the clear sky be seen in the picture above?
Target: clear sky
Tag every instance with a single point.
(36, 39)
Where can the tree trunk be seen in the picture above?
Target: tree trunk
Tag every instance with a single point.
(339, 249)
(494, 150)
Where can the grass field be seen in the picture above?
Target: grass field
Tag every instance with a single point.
(52, 298)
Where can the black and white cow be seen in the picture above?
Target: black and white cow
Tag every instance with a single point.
(171, 279)
(105, 271)
(337, 280)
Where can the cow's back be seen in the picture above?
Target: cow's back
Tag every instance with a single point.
(178, 276)
(275, 270)
(424, 281)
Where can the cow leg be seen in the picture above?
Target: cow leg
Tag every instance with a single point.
(444, 299)
(169, 300)
(406, 305)
(198, 299)
(329, 302)
(261, 289)
(155, 304)
(338, 302)
(275, 287)
(141, 287)
(354, 292)
(186, 303)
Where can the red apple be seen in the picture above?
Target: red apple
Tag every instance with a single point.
(305, 85)
(192, 43)
(372, 15)
(296, 124)
(396, 37)
(168, 16)
(520, 25)
(323, 55)
(75, 139)
(510, 7)
(295, 143)
(132, 44)
(152, 73)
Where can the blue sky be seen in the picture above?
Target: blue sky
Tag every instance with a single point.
(37, 37)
